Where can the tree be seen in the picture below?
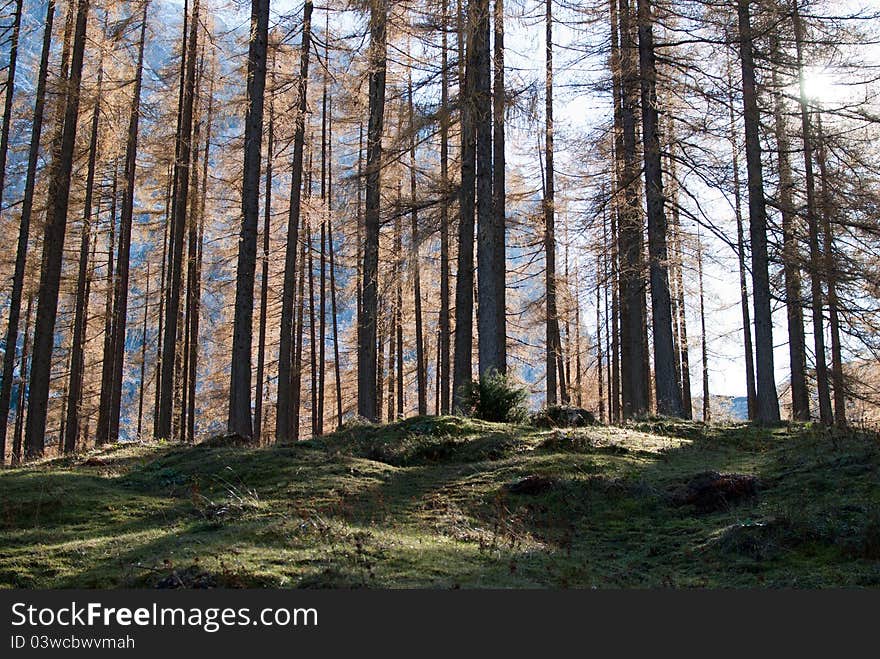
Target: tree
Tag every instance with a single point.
(123, 259)
(240, 421)
(666, 378)
(286, 421)
(53, 245)
(177, 230)
(367, 322)
(767, 408)
(491, 253)
(24, 232)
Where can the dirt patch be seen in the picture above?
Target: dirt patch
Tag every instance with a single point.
(711, 491)
(189, 578)
(531, 485)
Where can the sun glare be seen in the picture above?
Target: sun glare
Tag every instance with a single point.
(820, 85)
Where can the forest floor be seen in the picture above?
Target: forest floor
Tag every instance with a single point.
(447, 503)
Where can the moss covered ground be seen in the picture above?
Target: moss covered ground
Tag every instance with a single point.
(426, 503)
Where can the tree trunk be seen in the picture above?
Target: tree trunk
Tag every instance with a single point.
(398, 310)
(707, 414)
(825, 414)
(332, 248)
(107, 354)
(120, 300)
(194, 316)
(491, 256)
(553, 344)
(683, 347)
(286, 424)
(9, 94)
(140, 424)
(367, 322)
(767, 409)
(598, 343)
(313, 339)
(830, 268)
(462, 371)
(666, 382)
(190, 348)
(421, 375)
(634, 393)
(443, 368)
(177, 235)
(24, 233)
(264, 273)
(240, 421)
(751, 393)
(800, 395)
(164, 270)
(296, 394)
(22, 381)
(75, 381)
(53, 247)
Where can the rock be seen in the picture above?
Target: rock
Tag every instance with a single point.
(531, 485)
(711, 491)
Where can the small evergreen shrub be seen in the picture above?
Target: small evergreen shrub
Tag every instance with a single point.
(495, 397)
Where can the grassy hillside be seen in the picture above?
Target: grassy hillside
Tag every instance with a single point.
(452, 503)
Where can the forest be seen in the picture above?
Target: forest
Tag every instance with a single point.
(429, 238)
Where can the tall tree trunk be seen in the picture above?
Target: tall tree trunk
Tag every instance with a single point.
(264, 272)
(707, 405)
(240, 421)
(194, 316)
(142, 386)
(398, 309)
(107, 354)
(462, 369)
(190, 347)
(74, 386)
(367, 322)
(164, 270)
(553, 344)
(380, 364)
(24, 232)
(421, 375)
(598, 342)
(443, 371)
(683, 348)
(634, 393)
(332, 248)
(666, 382)
(286, 423)
(120, 299)
(53, 247)
(296, 391)
(491, 257)
(767, 409)
(825, 414)
(751, 393)
(830, 268)
(797, 353)
(9, 94)
(177, 235)
(22, 388)
(313, 339)
(322, 339)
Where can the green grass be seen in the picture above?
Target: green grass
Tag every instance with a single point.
(423, 503)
